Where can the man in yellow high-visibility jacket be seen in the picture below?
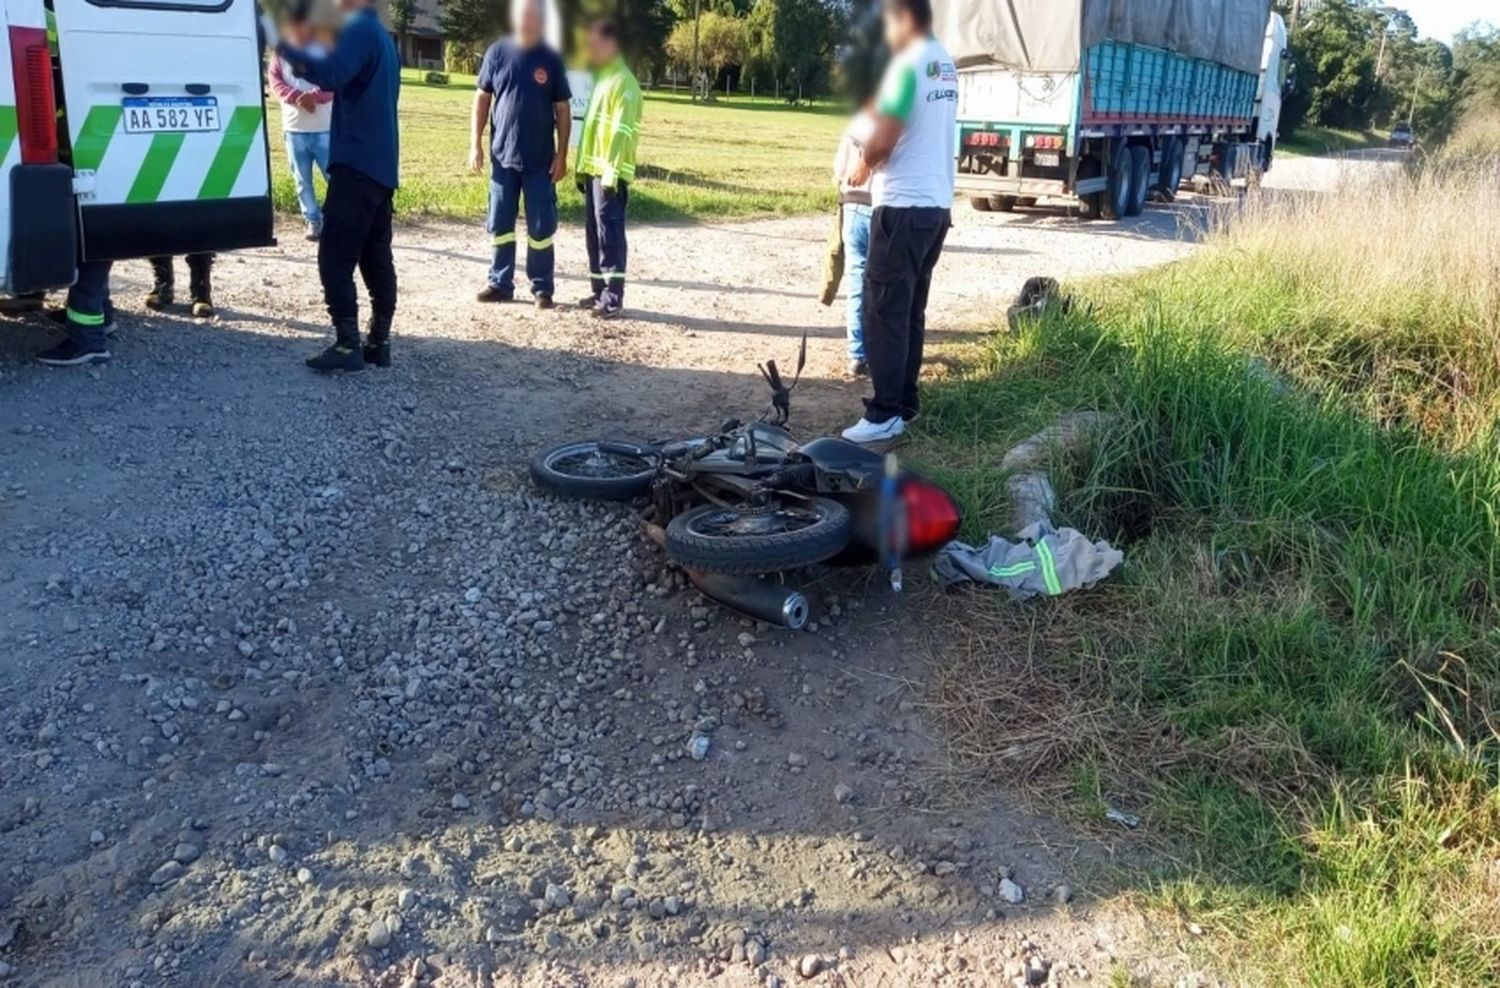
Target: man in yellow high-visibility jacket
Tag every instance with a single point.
(606, 167)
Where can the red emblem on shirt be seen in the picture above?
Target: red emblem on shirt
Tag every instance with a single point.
(540, 75)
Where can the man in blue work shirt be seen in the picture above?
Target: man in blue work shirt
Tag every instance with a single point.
(364, 74)
(523, 95)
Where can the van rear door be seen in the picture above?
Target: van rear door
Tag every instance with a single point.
(166, 120)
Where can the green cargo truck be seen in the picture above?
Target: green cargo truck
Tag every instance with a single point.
(1100, 103)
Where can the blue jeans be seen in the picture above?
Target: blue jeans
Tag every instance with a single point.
(507, 188)
(303, 150)
(856, 250)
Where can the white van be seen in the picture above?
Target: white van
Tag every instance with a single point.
(148, 136)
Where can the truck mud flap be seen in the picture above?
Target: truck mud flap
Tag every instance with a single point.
(131, 230)
(43, 236)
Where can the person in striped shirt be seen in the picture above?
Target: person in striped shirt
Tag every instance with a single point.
(606, 166)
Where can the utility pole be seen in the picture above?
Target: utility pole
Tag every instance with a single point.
(697, 5)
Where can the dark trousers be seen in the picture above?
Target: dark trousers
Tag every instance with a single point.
(604, 233)
(356, 234)
(508, 187)
(88, 306)
(200, 275)
(905, 243)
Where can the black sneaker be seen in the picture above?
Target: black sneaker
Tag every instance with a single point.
(70, 354)
(608, 310)
(859, 368)
(489, 293)
(338, 358)
(542, 301)
(60, 318)
(377, 354)
(203, 309)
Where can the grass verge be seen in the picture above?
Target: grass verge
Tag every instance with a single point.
(734, 158)
(1294, 679)
(1311, 141)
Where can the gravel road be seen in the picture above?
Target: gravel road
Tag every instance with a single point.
(304, 684)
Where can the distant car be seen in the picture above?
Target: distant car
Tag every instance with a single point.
(1403, 137)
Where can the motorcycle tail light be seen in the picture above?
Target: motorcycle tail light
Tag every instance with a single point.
(932, 516)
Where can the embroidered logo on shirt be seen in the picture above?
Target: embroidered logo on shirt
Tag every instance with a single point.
(540, 75)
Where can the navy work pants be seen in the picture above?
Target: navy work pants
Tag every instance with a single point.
(508, 187)
(604, 232)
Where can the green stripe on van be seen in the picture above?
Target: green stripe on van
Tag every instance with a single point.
(154, 170)
(7, 130)
(94, 136)
(244, 123)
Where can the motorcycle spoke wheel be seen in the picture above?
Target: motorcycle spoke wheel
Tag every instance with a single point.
(584, 469)
(785, 534)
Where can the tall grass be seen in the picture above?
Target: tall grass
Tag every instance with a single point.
(1296, 676)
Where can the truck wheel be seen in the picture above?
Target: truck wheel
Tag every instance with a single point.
(1171, 169)
(1140, 179)
(1116, 203)
(981, 204)
(1005, 204)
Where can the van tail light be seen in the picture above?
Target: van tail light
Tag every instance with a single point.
(932, 516)
(36, 104)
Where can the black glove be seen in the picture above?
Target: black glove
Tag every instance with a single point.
(609, 191)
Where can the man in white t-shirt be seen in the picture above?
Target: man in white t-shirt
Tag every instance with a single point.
(910, 160)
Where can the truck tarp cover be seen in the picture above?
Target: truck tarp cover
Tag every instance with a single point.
(1050, 35)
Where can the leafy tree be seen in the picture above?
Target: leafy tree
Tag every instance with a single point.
(469, 26)
(403, 13)
(1476, 60)
(721, 43)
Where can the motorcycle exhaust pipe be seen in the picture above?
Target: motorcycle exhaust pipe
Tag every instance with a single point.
(754, 597)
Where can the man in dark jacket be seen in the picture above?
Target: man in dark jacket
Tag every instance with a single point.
(364, 74)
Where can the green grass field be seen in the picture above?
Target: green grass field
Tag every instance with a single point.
(733, 158)
(1295, 679)
(1314, 141)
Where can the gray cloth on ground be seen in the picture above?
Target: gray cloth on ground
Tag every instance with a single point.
(1043, 563)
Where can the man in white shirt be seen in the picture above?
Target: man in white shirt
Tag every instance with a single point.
(910, 160)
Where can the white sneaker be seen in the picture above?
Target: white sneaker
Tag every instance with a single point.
(864, 431)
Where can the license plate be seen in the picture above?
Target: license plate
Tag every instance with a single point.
(170, 114)
(1048, 159)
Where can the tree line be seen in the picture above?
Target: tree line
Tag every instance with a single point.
(785, 46)
(1362, 65)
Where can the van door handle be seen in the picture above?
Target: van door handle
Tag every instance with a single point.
(199, 88)
(135, 88)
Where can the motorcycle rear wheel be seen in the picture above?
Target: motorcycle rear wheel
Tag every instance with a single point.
(583, 469)
(753, 540)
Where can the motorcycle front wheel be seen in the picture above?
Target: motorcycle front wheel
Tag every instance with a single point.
(593, 469)
(753, 539)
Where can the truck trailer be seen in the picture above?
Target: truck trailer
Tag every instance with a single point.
(1103, 102)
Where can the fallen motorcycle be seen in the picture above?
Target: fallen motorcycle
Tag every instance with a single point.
(750, 500)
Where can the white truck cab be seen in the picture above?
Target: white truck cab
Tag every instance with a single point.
(128, 128)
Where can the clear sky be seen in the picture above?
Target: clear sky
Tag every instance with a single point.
(1442, 19)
